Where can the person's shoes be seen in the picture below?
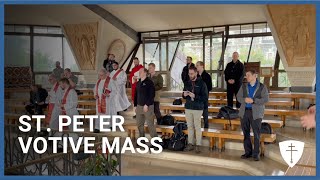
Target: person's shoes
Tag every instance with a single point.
(246, 156)
(198, 149)
(96, 131)
(189, 147)
(256, 158)
(125, 110)
(134, 116)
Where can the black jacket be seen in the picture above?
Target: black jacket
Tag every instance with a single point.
(234, 71)
(185, 73)
(207, 79)
(107, 64)
(145, 92)
(39, 96)
(199, 88)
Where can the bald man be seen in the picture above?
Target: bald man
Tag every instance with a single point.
(105, 92)
(234, 74)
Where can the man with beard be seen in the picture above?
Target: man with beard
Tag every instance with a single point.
(134, 77)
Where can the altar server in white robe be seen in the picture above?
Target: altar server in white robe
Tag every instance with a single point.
(55, 98)
(105, 93)
(120, 79)
(69, 102)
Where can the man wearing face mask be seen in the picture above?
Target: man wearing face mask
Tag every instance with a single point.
(195, 92)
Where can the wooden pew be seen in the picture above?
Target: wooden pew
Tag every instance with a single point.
(83, 111)
(84, 104)
(86, 97)
(282, 113)
(86, 91)
(226, 123)
(213, 134)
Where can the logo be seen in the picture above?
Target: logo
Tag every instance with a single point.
(291, 151)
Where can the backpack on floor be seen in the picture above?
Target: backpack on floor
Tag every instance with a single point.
(167, 120)
(179, 140)
(165, 141)
(266, 129)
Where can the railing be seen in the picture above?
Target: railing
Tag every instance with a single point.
(55, 164)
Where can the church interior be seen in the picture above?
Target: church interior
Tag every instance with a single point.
(277, 40)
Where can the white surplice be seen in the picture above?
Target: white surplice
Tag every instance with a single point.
(55, 98)
(122, 102)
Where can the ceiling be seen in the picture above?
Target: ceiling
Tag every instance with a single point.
(139, 17)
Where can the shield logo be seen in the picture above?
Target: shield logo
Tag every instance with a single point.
(291, 151)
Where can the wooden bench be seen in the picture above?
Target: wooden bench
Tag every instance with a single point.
(83, 111)
(213, 134)
(87, 104)
(226, 123)
(282, 113)
(86, 97)
(87, 91)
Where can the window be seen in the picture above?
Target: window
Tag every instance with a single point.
(246, 29)
(234, 30)
(16, 50)
(152, 54)
(47, 50)
(260, 28)
(283, 80)
(239, 45)
(263, 51)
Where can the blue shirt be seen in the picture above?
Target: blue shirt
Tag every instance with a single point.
(251, 90)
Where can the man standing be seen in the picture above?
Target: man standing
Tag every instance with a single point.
(38, 98)
(107, 64)
(185, 71)
(234, 73)
(208, 81)
(253, 96)
(120, 79)
(58, 71)
(69, 101)
(71, 77)
(195, 92)
(105, 92)
(157, 80)
(144, 100)
(134, 77)
(55, 98)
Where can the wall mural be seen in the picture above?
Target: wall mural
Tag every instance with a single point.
(118, 48)
(295, 26)
(83, 41)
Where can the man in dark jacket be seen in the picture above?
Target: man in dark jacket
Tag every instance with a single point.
(195, 92)
(107, 64)
(234, 74)
(144, 101)
(38, 98)
(185, 71)
(253, 96)
(207, 79)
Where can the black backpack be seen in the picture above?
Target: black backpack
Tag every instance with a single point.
(265, 128)
(167, 120)
(165, 141)
(179, 140)
(228, 113)
(177, 102)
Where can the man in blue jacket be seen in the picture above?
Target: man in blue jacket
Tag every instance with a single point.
(253, 96)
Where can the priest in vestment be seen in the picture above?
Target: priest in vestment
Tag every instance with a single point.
(134, 77)
(120, 79)
(105, 92)
(55, 98)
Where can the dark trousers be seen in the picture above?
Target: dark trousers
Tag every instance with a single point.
(35, 109)
(246, 122)
(205, 115)
(157, 111)
(232, 90)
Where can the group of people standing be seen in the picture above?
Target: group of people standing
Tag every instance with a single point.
(250, 100)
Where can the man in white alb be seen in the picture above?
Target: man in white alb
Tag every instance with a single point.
(55, 98)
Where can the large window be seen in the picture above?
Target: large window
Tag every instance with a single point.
(264, 50)
(241, 45)
(38, 47)
(17, 50)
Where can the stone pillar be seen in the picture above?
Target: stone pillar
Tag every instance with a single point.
(294, 30)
